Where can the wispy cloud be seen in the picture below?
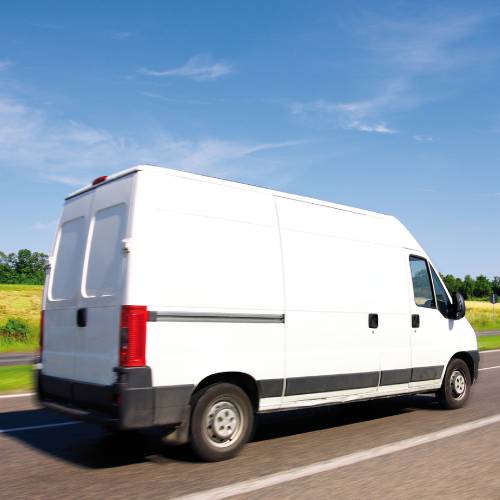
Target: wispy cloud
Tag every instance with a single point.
(425, 138)
(4, 64)
(173, 100)
(43, 226)
(69, 152)
(120, 35)
(64, 179)
(409, 50)
(363, 115)
(436, 41)
(379, 128)
(199, 67)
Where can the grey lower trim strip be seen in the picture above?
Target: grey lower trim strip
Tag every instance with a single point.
(330, 383)
(215, 317)
(296, 386)
(423, 373)
(394, 377)
(271, 388)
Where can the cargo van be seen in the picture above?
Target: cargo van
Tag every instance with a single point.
(193, 303)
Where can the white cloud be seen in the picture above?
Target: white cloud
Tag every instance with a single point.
(73, 153)
(199, 67)
(379, 128)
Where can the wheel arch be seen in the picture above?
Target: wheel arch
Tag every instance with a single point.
(242, 380)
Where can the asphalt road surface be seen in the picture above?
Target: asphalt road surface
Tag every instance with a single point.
(394, 448)
(18, 358)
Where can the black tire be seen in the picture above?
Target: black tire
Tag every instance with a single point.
(457, 382)
(228, 406)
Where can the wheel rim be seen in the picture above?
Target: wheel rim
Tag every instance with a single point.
(458, 384)
(224, 423)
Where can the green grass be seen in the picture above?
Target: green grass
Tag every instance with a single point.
(16, 378)
(488, 342)
(22, 302)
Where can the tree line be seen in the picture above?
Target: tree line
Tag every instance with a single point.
(27, 267)
(473, 288)
(24, 267)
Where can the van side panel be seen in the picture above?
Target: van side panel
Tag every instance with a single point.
(339, 268)
(200, 249)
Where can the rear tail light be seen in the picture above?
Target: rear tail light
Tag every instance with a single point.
(133, 336)
(42, 318)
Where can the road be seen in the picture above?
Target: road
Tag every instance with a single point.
(368, 451)
(18, 358)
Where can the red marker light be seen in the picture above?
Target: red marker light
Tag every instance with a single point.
(98, 180)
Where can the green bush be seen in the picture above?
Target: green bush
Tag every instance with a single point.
(16, 330)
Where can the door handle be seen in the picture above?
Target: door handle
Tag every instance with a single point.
(415, 321)
(373, 320)
(81, 317)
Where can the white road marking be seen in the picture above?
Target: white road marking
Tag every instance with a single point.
(489, 368)
(23, 395)
(33, 427)
(260, 483)
(489, 350)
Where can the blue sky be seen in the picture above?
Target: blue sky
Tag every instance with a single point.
(390, 106)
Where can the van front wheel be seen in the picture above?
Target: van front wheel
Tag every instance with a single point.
(221, 422)
(455, 390)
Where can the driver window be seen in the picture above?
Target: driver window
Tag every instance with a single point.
(443, 301)
(422, 286)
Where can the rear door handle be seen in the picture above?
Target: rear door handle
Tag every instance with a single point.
(373, 320)
(415, 321)
(81, 317)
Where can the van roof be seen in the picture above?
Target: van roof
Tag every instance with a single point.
(188, 175)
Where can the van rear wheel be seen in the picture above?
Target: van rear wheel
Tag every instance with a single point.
(221, 422)
(455, 390)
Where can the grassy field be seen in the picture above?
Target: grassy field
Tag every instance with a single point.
(16, 378)
(482, 316)
(21, 302)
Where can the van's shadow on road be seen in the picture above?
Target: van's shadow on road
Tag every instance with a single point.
(91, 446)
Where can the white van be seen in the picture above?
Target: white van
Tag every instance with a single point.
(192, 303)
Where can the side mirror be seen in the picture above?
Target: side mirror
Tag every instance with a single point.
(458, 306)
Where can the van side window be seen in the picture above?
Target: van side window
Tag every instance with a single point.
(422, 286)
(104, 269)
(68, 262)
(443, 302)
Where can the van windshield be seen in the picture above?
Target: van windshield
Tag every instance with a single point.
(104, 270)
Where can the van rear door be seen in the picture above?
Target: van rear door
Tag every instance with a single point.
(84, 330)
(63, 297)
